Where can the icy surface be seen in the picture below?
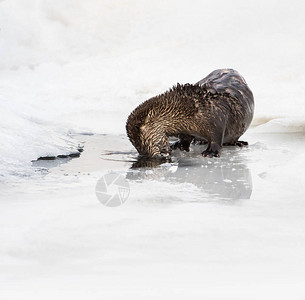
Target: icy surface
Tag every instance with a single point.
(195, 228)
(82, 68)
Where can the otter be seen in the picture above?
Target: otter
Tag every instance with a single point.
(217, 110)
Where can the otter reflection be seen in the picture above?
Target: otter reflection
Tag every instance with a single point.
(227, 177)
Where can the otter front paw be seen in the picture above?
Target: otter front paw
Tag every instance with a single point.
(182, 145)
(165, 154)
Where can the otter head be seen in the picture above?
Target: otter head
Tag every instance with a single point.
(153, 140)
(149, 125)
(148, 138)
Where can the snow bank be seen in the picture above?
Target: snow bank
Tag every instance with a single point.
(78, 66)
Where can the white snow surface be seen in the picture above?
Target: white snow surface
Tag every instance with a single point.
(82, 66)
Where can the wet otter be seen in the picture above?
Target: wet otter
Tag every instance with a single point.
(218, 109)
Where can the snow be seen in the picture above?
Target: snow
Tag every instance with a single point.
(70, 73)
(83, 67)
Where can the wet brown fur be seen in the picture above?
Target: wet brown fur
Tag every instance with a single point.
(198, 110)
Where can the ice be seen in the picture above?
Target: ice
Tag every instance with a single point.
(192, 228)
(232, 229)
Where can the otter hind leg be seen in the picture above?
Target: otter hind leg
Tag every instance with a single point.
(238, 143)
(242, 143)
(213, 150)
(215, 142)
